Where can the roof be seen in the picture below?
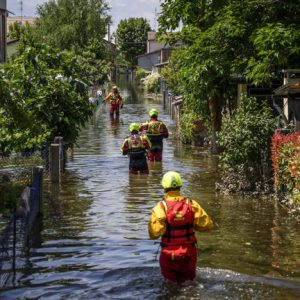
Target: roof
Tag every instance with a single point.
(289, 89)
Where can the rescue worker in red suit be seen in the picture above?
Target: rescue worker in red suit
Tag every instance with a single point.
(136, 146)
(175, 219)
(115, 100)
(156, 132)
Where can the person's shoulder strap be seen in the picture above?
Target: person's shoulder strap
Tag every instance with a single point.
(164, 205)
(189, 202)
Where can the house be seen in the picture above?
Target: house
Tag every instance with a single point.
(3, 30)
(20, 19)
(150, 61)
(157, 55)
(289, 97)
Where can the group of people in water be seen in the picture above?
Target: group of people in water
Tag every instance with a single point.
(176, 218)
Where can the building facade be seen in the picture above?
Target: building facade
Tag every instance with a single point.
(22, 20)
(157, 55)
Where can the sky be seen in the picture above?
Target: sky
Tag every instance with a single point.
(120, 9)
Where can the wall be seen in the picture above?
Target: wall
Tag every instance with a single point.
(147, 61)
(3, 4)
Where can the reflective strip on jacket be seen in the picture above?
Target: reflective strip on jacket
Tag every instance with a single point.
(114, 99)
(157, 224)
(155, 127)
(135, 145)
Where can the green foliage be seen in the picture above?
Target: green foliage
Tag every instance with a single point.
(246, 136)
(9, 195)
(187, 126)
(187, 12)
(169, 74)
(152, 83)
(73, 24)
(231, 37)
(132, 38)
(225, 39)
(140, 73)
(43, 96)
(276, 47)
(43, 89)
(15, 31)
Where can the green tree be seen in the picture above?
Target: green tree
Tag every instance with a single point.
(132, 38)
(254, 39)
(15, 30)
(42, 95)
(73, 24)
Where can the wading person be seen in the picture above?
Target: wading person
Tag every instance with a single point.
(175, 219)
(136, 146)
(115, 100)
(156, 131)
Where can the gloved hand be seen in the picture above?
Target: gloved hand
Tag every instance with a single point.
(122, 105)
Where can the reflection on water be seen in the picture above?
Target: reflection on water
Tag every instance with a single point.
(114, 125)
(92, 241)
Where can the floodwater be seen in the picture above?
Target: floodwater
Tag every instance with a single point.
(92, 241)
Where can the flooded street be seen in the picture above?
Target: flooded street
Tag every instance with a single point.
(92, 241)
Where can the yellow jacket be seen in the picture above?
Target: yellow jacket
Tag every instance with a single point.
(114, 98)
(157, 223)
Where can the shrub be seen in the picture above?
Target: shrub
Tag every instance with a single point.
(286, 161)
(140, 73)
(246, 136)
(187, 126)
(152, 83)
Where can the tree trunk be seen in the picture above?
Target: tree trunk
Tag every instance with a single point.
(216, 122)
(202, 14)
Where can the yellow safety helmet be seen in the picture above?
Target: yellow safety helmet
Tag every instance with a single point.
(171, 180)
(134, 127)
(114, 87)
(153, 112)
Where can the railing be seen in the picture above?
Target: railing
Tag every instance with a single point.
(14, 236)
(173, 104)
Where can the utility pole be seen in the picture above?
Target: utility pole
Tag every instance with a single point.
(108, 32)
(21, 8)
(155, 19)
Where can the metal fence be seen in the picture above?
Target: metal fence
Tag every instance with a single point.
(14, 235)
(20, 171)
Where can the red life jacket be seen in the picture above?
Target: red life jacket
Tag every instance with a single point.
(114, 99)
(180, 220)
(136, 148)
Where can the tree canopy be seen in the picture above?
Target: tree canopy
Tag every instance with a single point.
(132, 38)
(73, 24)
(253, 40)
(43, 87)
